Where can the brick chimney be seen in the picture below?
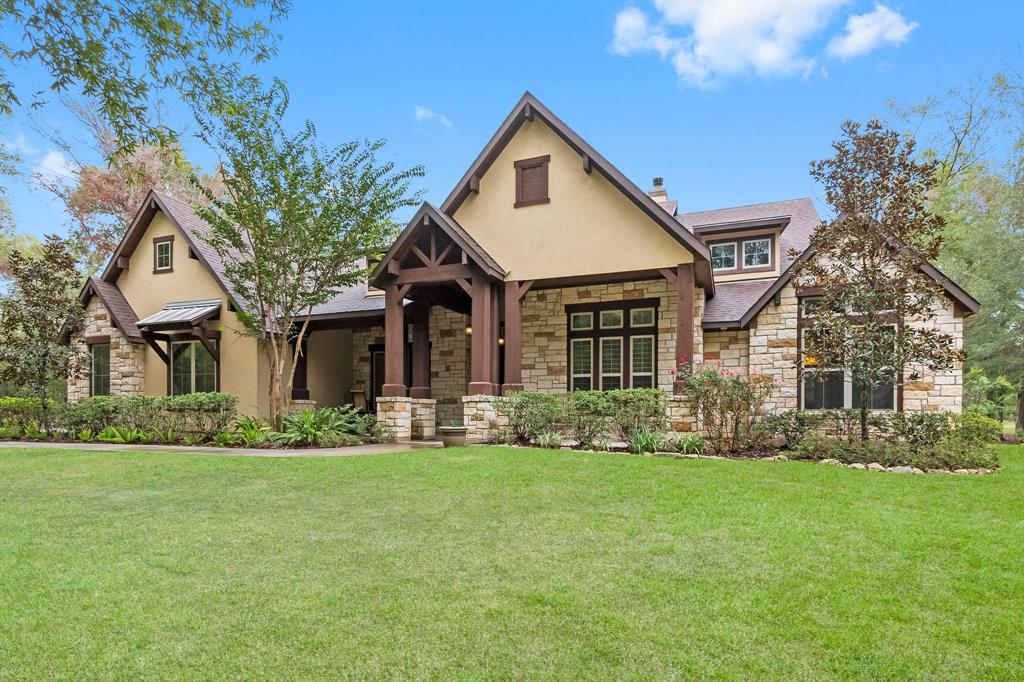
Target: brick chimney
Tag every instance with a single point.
(657, 192)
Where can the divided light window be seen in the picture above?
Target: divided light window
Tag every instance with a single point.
(99, 383)
(193, 369)
(743, 254)
(612, 345)
(835, 389)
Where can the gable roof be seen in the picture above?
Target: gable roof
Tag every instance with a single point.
(449, 226)
(121, 313)
(529, 108)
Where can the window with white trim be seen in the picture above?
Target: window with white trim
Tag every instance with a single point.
(611, 363)
(193, 369)
(611, 319)
(757, 253)
(641, 317)
(834, 388)
(581, 321)
(581, 359)
(641, 360)
(723, 256)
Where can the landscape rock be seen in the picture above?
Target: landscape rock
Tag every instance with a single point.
(833, 462)
(902, 470)
(858, 465)
(875, 466)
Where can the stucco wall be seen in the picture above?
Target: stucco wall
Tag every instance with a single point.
(588, 227)
(545, 335)
(126, 358)
(328, 367)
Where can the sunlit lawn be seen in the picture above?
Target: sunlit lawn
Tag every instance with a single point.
(501, 563)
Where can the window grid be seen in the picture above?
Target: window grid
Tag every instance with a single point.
(582, 363)
(641, 353)
(611, 362)
(838, 390)
(193, 369)
(100, 369)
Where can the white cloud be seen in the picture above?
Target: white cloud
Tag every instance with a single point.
(19, 145)
(54, 166)
(867, 32)
(428, 114)
(708, 41)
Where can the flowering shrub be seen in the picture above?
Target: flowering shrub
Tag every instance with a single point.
(728, 405)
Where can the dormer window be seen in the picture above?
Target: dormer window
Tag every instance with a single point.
(743, 254)
(371, 265)
(163, 254)
(532, 181)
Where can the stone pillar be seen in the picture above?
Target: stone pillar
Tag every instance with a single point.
(684, 316)
(420, 387)
(481, 418)
(424, 418)
(394, 342)
(395, 413)
(680, 415)
(483, 344)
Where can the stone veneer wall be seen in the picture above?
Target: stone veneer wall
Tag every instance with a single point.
(449, 361)
(937, 391)
(545, 333)
(773, 349)
(481, 418)
(127, 360)
(730, 348)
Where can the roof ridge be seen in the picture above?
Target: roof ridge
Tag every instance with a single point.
(758, 203)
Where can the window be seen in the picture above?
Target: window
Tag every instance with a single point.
(757, 253)
(193, 369)
(581, 321)
(100, 368)
(582, 359)
(611, 319)
(748, 253)
(641, 317)
(641, 353)
(612, 345)
(163, 254)
(723, 256)
(836, 389)
(532, 181)
(611, 363)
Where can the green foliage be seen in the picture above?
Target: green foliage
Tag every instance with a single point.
(688, 444)
(224, 439)
(122, 435)
(251, 431)
(530, 413)
(198, 414)
(995, 398)
(977, 429)
(85, 435)
(328, 427)
(552, 440)
(20, 411)
(728, 405)
(637, 410)
(33, 431)
(644, 440)
(167, 436)
(916, 429)
(791, 426)
(587, 416)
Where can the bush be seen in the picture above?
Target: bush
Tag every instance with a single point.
(637, 410)
(328, 427)
(644, 440)
(975, 428)
(791, 427)
(20, 412)
(199, 415)
(530, 413)
(688, 444)
(728, 405)
(916, 429)
(587, 416)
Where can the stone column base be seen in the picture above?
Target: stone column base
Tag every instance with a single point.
(680, 415)
(395, 413)
(424, 418)
(481, 418)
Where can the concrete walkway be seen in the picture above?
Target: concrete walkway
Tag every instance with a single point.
(351, 451)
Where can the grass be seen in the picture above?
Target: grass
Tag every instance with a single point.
(491, 563)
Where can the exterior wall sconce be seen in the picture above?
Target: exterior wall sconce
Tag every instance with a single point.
(501, 340)
(469, 330)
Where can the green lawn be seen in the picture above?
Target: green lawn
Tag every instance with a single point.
(490, 563)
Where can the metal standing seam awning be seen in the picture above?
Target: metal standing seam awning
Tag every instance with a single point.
(185, 315)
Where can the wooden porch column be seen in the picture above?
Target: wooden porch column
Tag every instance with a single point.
(420, 351)
(482, 345)
(684, 314)
(394, 342)
(513, 339)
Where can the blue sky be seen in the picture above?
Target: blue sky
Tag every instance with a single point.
(728, 102)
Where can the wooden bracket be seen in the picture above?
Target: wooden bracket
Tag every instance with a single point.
(150, 340)
(466, 286)
(528, 112)
(668, 274)
(474, 184)
(587, 166)
(200, 333)
(524, 287)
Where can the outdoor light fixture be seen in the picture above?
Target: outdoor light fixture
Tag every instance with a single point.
(501, 340)
(469, 330)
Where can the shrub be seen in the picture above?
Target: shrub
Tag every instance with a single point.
(251, 431)
(197, 414)
(20, 412)
(975, 428)
(587, 416)
(644, 440)
(728, 405)
(637, 410)
(688, 444)
(328, 427)
(551, 440)
(791, 427)
(201, 413)
(916, 429)
(530, 413)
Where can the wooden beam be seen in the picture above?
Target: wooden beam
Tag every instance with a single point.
(420, 385)
(151, 341)
(122, 262)
(668, 274)
(684, 312)
(422, 256)
(528, 112)
(587, 165)
(466, 286)
(522, 288)
(481, 382)
(394, 268)
(394, 342)
(474, 184)
(444, 253)
(513, 338)
(200, 333)
(437, 273)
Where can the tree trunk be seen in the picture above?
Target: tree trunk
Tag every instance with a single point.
(865, 398)
(1020, 409)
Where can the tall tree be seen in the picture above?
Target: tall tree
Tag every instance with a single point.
(976, 133)
(123, 53)
(296, 221)
(875, 303)
(102, 198)
(35, 315)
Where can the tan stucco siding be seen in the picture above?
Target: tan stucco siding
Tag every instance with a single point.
(147, 292)
(739, 236)
(588, 227)
(328, 367)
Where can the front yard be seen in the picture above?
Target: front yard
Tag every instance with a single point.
(499, 563)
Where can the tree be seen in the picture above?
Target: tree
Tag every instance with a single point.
(868, 265)
(123, 53)
(296, 221)
(976, 133)
(103, 198)
(38, 313)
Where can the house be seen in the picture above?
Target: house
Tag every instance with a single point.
(544, 269)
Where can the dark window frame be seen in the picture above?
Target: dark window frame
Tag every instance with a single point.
(626, 332)
(739, 242)
(192, 374)
(542, 197)
(94, 342)
(157, 241)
